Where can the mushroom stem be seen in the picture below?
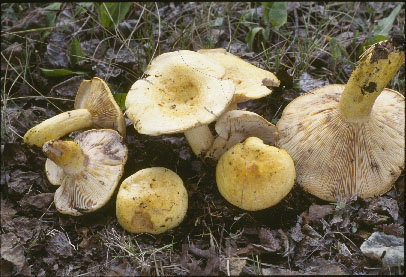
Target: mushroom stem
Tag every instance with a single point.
(199, 138)
(375, 69)
(66, 154)
(58, 126)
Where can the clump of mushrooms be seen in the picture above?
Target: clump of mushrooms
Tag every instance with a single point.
(184, 92)
(95, 107)
(87, 169)
(349, 140)
(152, 200)
(253, 176)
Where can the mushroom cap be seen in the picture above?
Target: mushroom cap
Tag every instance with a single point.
(91, 188)
(336, 159)
(152, 200)
(254, 176)
(184, 90)
(54, 172)
(95, 96)
(237, 125)
(250, 81)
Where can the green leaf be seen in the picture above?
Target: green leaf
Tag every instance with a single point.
(368, 42)
(76, 53)
(251, 36)
(117, 11)
(266, 6)
(120, 99)
(335, 49)
(81, 7)
(275, 13)
(384, 26)
(51, 11)
(60, 72)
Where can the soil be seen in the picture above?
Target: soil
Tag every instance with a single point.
(300, 235)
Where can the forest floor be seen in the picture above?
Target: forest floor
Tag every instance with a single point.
(47, 49)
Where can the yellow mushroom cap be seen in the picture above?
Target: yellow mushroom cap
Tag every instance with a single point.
(184, 90)
(95, 96)
(152, 200)
(250, 81)
(253, 176)
(94, 107)
(88, 169)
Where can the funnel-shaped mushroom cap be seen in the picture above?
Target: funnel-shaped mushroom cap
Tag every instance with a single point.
(254, 176)
(237, 125)
(250, 81)
(95, 96)
(349, 140)
(88, 169)
(152, 200)
(184, 90)
(94, 107)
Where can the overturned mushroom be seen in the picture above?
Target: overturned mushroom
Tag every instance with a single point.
(254, 176)
(251, 82)
(87, 169)
(237, 125)
(349, 140)
(152, 200)
(184, 92)
(94, 107)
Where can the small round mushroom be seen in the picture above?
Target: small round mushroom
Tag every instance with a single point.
(88, 169)
(184, 92)
(237, 125)
(152, 200)
(94, 107)
(251, 82)
(255, 176)
(349, 140)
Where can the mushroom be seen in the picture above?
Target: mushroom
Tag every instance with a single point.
(343, 142)
(184, 92)
(94, 107)
(152, 200)
(88, 169)
(254, 176)
(251, 82)
(237, 125)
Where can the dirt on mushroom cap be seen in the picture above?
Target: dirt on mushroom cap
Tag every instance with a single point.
(183, 90)
(255, 176)
(152, 200)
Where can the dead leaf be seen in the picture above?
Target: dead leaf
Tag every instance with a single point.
(13, 252)
(20, 181)
(34, 19)
(59, 246)
(319, 211)
(233, 266)
(39, 201)
(394, 229)
(267, 238)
